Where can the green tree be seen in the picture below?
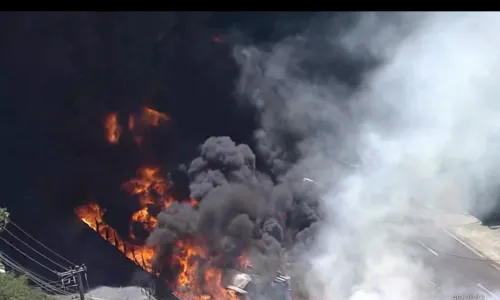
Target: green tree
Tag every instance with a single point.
(4, 217)
(17, 288)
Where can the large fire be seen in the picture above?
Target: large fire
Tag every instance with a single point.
(151, 190)
(137, 123)
(91, 214)
(190, 285)
(113, 128)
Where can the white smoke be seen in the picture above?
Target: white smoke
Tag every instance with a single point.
(422, 130)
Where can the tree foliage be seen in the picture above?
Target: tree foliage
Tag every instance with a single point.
(16, 288)
(4, 215)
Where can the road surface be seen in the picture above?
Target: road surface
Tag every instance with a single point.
(458, 268)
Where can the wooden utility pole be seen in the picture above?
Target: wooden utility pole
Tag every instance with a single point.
(73, 277)
(80, 286)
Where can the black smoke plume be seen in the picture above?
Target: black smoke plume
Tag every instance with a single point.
(63, 72)
(242, 210)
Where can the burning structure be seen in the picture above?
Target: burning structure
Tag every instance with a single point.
(240, 203)
(226, 240)
(98, 145)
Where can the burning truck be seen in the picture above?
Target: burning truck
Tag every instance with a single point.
(200, 247)
(242, 286)
(246, 286)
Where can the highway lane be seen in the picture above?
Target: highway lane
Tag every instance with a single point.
(458, 268)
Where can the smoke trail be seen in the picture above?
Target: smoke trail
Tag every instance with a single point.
(420, 130)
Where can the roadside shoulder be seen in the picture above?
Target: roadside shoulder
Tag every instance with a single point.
(484, 239)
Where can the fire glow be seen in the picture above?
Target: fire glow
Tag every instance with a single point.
(113, 128)
(137, 123)
(152, 191)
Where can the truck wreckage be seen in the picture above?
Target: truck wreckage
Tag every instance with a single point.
(246, 286)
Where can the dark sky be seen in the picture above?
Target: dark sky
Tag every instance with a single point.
(61, 73)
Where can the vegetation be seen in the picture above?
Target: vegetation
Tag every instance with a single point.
(4, 217)
(17, 288)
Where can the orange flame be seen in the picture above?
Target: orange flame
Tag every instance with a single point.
(142, 216)
(244, 261)
(92, 214)
(188, 285)
(136, 123)
(151, 189)
(149, 186)
(147, 117)
(113, 128)
(152, 117)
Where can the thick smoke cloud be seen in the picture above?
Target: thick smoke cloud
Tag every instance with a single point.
(420, 129)
(241, 210)
(64, 72)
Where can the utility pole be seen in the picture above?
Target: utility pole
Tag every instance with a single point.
(73, 278)
(80, 286)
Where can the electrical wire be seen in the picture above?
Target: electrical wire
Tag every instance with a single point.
(40, 243)
(41, 283)
(50, 288)
(36, 251)
(47, 286)
(11, 263)
(5, 257)
(34, 260)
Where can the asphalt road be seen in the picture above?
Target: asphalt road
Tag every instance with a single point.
(459, 270)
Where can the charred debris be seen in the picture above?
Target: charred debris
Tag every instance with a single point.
(246, 286)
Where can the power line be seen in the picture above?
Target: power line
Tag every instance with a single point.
(4, 256)
(38, 281)
(43, 283)
(62, 267)
(40, 243)
(11, 263)
(34, 260)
